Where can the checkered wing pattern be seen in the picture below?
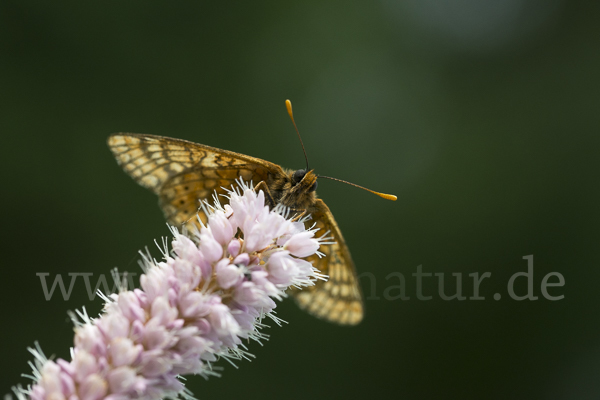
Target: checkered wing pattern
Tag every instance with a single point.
(183, 173)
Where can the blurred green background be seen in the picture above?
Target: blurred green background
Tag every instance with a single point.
(482, 117)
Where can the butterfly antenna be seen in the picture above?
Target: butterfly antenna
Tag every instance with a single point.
(383, 195)
(288, 105)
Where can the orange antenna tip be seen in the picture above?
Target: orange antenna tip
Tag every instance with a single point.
(386, 196)
(288, 105)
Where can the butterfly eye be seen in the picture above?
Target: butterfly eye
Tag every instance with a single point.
(313, 187)
(298, 175)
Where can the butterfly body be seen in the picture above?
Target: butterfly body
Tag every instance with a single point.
(183, 173)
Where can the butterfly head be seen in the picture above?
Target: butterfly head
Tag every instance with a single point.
(300, 189)
(303, 181)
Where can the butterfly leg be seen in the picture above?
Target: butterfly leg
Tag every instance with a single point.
(299, 214)
(268, 197)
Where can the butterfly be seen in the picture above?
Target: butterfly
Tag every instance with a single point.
(182, 173)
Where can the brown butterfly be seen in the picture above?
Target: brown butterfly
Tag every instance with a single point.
(183, 173)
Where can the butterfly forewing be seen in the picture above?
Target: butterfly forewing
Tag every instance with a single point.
(183, 173)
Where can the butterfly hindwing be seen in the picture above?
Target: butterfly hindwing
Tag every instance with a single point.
(182, 173)
(339, 299)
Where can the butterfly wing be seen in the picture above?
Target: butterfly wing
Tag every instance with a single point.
(181, 173)
(339, 299)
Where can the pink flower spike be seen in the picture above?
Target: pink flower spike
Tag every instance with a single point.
(197, 305)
